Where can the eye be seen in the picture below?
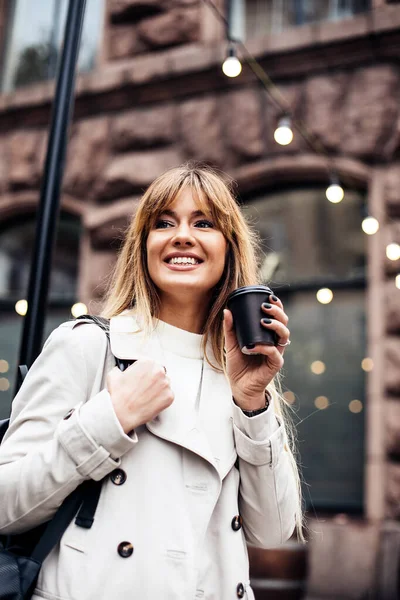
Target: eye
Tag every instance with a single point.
(162, 224)
(204, 224)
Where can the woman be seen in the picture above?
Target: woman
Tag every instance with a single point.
(190, 472)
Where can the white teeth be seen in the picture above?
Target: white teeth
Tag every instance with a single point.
(184, 260)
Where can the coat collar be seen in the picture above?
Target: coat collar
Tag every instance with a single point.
(129, 341)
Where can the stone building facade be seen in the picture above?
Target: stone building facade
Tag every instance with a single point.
(158, 97)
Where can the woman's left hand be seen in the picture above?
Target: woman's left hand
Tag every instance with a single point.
(249, 375)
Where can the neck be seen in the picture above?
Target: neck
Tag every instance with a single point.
(186, 315)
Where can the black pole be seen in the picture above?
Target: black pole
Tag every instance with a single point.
(51, 185)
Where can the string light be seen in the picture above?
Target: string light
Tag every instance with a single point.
(321, 402)
(289, 397)
(79, 309)
(318, 367)
(393, 251)
(367, 364)
(370, 225)
(4, 384)
(334, 192)
(283, 134)
(324, 295)
(21, 307)
(232, 67)
(355, 406)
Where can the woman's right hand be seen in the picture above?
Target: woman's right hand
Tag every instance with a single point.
(140, 393)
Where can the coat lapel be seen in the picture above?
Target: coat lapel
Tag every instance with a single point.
(179, 423)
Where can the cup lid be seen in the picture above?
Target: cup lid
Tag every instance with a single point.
(249, 289)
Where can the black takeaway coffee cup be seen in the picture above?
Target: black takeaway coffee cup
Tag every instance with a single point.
(245, 305)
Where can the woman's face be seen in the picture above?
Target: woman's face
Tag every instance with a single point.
(185, 251)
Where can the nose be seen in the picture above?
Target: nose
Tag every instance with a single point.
(183, 237)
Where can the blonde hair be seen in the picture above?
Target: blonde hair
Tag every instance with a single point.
(131, 285)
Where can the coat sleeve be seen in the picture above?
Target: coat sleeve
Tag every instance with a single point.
(45, 456)
(268, 497)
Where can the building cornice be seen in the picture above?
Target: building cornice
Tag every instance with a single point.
(195, 69)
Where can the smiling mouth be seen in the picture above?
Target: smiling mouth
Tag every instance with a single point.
(183, 261)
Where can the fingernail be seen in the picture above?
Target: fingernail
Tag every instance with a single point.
(248, 349)
(266, 321)
(274, 298)
(266, 305)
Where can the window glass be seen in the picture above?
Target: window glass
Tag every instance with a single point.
(272, 16)
(35, 35)
(307, 238)
(16, 245)
(308, 244)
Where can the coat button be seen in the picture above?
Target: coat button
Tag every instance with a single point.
(125, 549)
(69, 413)
(237, 523)
(118, 476)
(240, 590)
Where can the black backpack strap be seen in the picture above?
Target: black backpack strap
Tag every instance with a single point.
(91, 494)
(55, 528)
(91, 489)
(101, 322)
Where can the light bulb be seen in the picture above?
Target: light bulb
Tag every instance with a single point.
(78, 309)
(334, 193)
(324, 295)
(283, 134)
(21, 307)
(370, 225)
(393, 251)
(232, 67)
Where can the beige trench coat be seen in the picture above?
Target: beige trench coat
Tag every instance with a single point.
(178, 499)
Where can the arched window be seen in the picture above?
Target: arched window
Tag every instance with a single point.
(16, 248)
(310, 244)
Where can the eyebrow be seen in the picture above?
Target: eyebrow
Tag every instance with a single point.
(173, 214)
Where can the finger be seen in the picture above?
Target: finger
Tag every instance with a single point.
(229, 331)
(280, 329)
(275, 312)
(271, 353)
(274, 300)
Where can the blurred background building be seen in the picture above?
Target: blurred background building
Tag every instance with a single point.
(151, 94)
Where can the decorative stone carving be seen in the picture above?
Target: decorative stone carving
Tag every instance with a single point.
(87, 156)
(392, 365)
(133, 10)
(26, 154)
(323, 102)
(392, 307)
(132, 172)
(123, 41)
(392, 434)
(178, 26)
(201, 134)
(370, 109)
(242, 115)
(143, 128)
(393, 491)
